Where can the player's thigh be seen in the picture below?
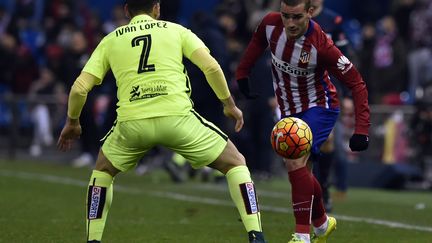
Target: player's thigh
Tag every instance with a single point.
(294, 164)
(321, 121)
(127, 142)
(103, 164)
(192, 136)
(328, 145)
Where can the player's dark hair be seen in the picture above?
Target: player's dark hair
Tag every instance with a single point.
(291, 3)
(140, 6)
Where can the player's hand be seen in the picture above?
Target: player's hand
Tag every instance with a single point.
(244, 88)
(359, 142)
(235, 113)
(70, 132)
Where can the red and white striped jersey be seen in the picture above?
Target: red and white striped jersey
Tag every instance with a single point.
(301, 67)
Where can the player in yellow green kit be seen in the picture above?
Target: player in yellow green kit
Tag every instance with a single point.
(154, 109)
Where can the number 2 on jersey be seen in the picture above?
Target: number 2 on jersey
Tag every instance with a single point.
(143, 64)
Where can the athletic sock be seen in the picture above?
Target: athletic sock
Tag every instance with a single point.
(324, 163)
(99, 198)
(302, 196)
(318, 212)
(178, 159)
(321, 229)
(304, 237)
(243, 194)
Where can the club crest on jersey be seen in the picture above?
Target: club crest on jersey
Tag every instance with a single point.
(305, 56)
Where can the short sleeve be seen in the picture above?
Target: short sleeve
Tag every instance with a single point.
(190, 42)
(98, 64)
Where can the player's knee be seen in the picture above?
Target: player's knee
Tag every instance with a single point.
(239, 159)
(232, 156)
(228, 161)
(294, 164)
(107, 169)
(104, 165)
(328, 145)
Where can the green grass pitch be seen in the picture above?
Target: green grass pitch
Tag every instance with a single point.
(44, 202)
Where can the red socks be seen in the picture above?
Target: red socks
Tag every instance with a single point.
(306, 200)
(318, 211)
(302, 190)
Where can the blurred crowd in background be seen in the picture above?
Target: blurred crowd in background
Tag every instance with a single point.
(44, 44)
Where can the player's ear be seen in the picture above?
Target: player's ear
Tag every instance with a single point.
(156, 11)
(126, 11)
(310, 12)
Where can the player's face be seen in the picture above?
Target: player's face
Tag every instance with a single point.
(295, 19)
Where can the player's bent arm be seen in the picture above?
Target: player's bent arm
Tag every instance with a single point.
(212, 71)
(340, 67)
(216, 79)
(78, 94)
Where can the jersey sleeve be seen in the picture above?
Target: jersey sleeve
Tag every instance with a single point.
(190, 42)
(78, 93)
(212, 71)
(98, 64)
(340, 67)
(257, 45)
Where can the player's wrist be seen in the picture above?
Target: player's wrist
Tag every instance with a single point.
(228, 102)
(72, 121)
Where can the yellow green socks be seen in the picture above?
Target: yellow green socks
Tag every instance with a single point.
(243, 193)
(99, 198)
(178, 159)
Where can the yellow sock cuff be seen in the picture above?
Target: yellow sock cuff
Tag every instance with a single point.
(103, 178)
(239, 169)
(243, 193)
(178, 159)
(99, 198)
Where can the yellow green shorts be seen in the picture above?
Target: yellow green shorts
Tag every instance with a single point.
(191, 136)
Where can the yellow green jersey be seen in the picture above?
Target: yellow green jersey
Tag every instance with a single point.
(146, 57)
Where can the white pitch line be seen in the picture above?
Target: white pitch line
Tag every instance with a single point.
(206, 200)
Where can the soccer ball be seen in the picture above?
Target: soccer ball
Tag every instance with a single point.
(291, 138)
